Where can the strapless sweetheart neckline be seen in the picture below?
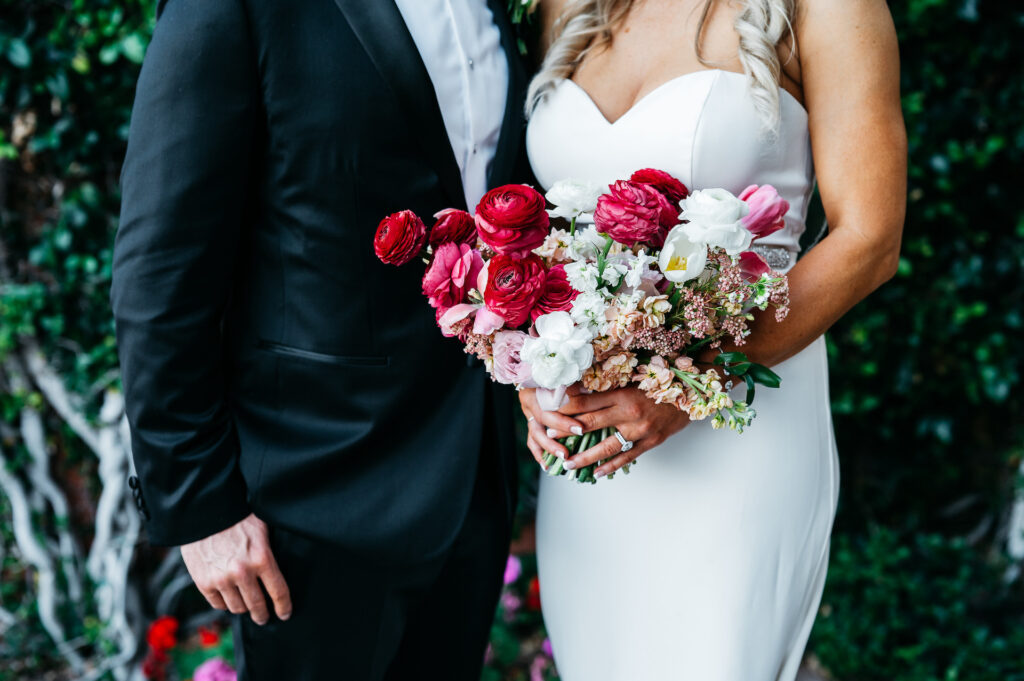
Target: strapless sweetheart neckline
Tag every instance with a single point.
(672, 81)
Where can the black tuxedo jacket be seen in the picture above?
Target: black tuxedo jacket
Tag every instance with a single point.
(270, 362)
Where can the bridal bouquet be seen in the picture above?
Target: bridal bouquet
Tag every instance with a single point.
(634, 280)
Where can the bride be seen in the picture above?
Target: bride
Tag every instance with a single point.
(708, 562)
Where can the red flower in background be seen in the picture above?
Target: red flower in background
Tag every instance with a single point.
(208, 638)
(163, 633)
(533, 595)
(399, 238)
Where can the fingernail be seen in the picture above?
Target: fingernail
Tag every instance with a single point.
(569, 465)
(576, 430)
(599, 474)
(260, 622)
(551, 432)
(286, 616)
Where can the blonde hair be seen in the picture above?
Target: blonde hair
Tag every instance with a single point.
(586, 25)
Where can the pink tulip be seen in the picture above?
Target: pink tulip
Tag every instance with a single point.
(767, 210)
(752, 266)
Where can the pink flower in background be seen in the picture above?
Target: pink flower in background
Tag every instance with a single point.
(510, 370)
(752, 266)
(451, 275)
(632, 212)
(453, 226)
(513, 569)
(546, 647)
(399, 238)
(513, 220)
(215, 670)
(767, 210)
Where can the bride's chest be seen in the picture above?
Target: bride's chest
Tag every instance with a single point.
(701, 127)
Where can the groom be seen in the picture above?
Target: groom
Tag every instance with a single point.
(336, 472)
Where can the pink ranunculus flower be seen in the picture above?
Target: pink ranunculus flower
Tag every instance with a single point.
(399, 238)
(632, 212)
(452, 274)
(752, 266)
(508, 366)
(767, 210)
(514, 285)
(513, 220)
(215, 670)
(674, 190)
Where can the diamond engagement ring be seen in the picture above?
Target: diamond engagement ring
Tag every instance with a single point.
(626, 444)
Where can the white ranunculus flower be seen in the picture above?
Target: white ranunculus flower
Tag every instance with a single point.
(714, 218)
(682, 258)
(573, 197)
(560, 353)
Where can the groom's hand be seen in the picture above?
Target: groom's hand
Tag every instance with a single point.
(228, 567)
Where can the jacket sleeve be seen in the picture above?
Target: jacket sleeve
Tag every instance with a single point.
(183, 185)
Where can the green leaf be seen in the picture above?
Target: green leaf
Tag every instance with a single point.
(18, 53)
(725, 357)
(764, 376)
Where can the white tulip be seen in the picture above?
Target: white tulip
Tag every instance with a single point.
(560, 353)
(682, 258)
(714, 218)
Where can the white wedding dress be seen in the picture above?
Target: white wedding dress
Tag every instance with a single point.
(708, 561)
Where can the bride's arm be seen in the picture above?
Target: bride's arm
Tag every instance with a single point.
(850, 75)
(849, 63)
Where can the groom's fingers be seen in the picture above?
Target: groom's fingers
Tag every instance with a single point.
(274, 582)
(255, 603)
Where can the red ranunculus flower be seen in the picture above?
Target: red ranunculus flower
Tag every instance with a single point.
(513, 287)
(512, 220)
(557, 296)
(632, 212)
(452, 274)
(400, 237)
(453, 226)
(163, 632)
(672, 189)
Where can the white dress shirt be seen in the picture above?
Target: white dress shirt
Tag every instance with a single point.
(461, 47)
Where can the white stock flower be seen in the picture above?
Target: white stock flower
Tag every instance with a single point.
(638, 267)
(560, 353)
(614, 272)
(586, 243)
(682, 258)
(588, 311)
(714, 219)
(582, 276)
(573, 197)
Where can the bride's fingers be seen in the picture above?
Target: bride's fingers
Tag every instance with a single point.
(606, 449)
(540, 436)
(550, 419)
(535, 449)
(583, 403)
(602, 418)
(621, 459)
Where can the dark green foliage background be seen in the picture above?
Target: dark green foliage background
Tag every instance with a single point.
(925, 374)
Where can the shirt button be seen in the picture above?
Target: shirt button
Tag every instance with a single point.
(474, 148)
(470, 63)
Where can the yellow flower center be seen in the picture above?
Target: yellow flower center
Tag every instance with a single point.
(677, 263)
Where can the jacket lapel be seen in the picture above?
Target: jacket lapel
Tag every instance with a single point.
(510, 139)
(380, 28)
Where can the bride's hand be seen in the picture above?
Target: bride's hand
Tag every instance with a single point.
(545, 426)
(639, 419)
